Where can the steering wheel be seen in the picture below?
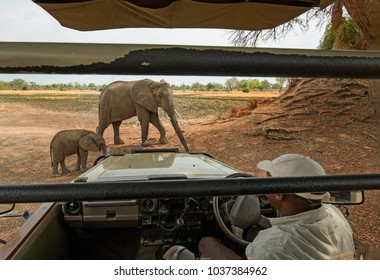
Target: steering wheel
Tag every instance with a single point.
(242, 214)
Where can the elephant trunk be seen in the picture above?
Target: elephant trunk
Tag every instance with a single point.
(105, 149)
(173, 120)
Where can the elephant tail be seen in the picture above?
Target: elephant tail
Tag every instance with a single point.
(104, 114)
(51, 155)
(51, 146)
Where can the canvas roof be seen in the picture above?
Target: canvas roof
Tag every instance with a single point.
(225, 14)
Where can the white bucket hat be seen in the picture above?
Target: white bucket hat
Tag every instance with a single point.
(294, 165)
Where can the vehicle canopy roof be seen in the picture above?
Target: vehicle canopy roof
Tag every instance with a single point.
(226, 14)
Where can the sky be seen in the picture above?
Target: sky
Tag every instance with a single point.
(24, 21)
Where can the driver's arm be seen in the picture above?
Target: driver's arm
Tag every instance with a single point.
(212, 248)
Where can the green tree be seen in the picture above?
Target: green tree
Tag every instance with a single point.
(265, 85)
(92, 86)
(255, 84)
(280, 81)
(244, 85)
(19, 84)
(33, 85)
(344, 37)
(183, 87)
(232, 83)
(358, 32)
(211, 86)
(196, 86)
(276, 86)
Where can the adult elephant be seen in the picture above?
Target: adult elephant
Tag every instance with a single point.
(123, 100)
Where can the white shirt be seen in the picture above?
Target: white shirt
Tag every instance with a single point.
(317, 234)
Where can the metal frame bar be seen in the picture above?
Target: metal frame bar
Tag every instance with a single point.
(184, 188)
(123, 59)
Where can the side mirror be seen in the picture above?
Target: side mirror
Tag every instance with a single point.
(346, 197)
(7, 207)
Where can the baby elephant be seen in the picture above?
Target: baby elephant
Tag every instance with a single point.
(70, 142)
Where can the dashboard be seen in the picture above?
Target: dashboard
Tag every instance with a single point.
(157, 220)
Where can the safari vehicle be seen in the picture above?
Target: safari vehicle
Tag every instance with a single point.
(129, 206)
(148, 203)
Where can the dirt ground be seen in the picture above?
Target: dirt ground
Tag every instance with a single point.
(342, 144)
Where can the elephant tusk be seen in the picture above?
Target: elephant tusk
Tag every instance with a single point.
(176, 113)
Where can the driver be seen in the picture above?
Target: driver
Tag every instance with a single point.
(305, 228)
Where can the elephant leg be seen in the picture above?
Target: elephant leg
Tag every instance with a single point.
(78, 164)
(143, 116)
(82, 157)
(55, 172)
(64, 168)
(154, 119)
(116, 133)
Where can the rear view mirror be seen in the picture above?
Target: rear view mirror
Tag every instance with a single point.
(346, 197)
(6, 207)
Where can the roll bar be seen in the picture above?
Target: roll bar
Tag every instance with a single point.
(130, 59)
(91, 191)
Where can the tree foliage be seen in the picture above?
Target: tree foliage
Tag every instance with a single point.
(246, 38)
(352, 30)
(230, 84)
(345, 36)
(20, 84)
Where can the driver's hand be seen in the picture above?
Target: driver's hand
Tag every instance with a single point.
(178, 253)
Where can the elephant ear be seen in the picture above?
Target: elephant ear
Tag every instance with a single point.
(88, 142)
(142, 94)
(163, 85)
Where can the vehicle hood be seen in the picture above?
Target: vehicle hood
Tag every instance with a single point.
(157, 166)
